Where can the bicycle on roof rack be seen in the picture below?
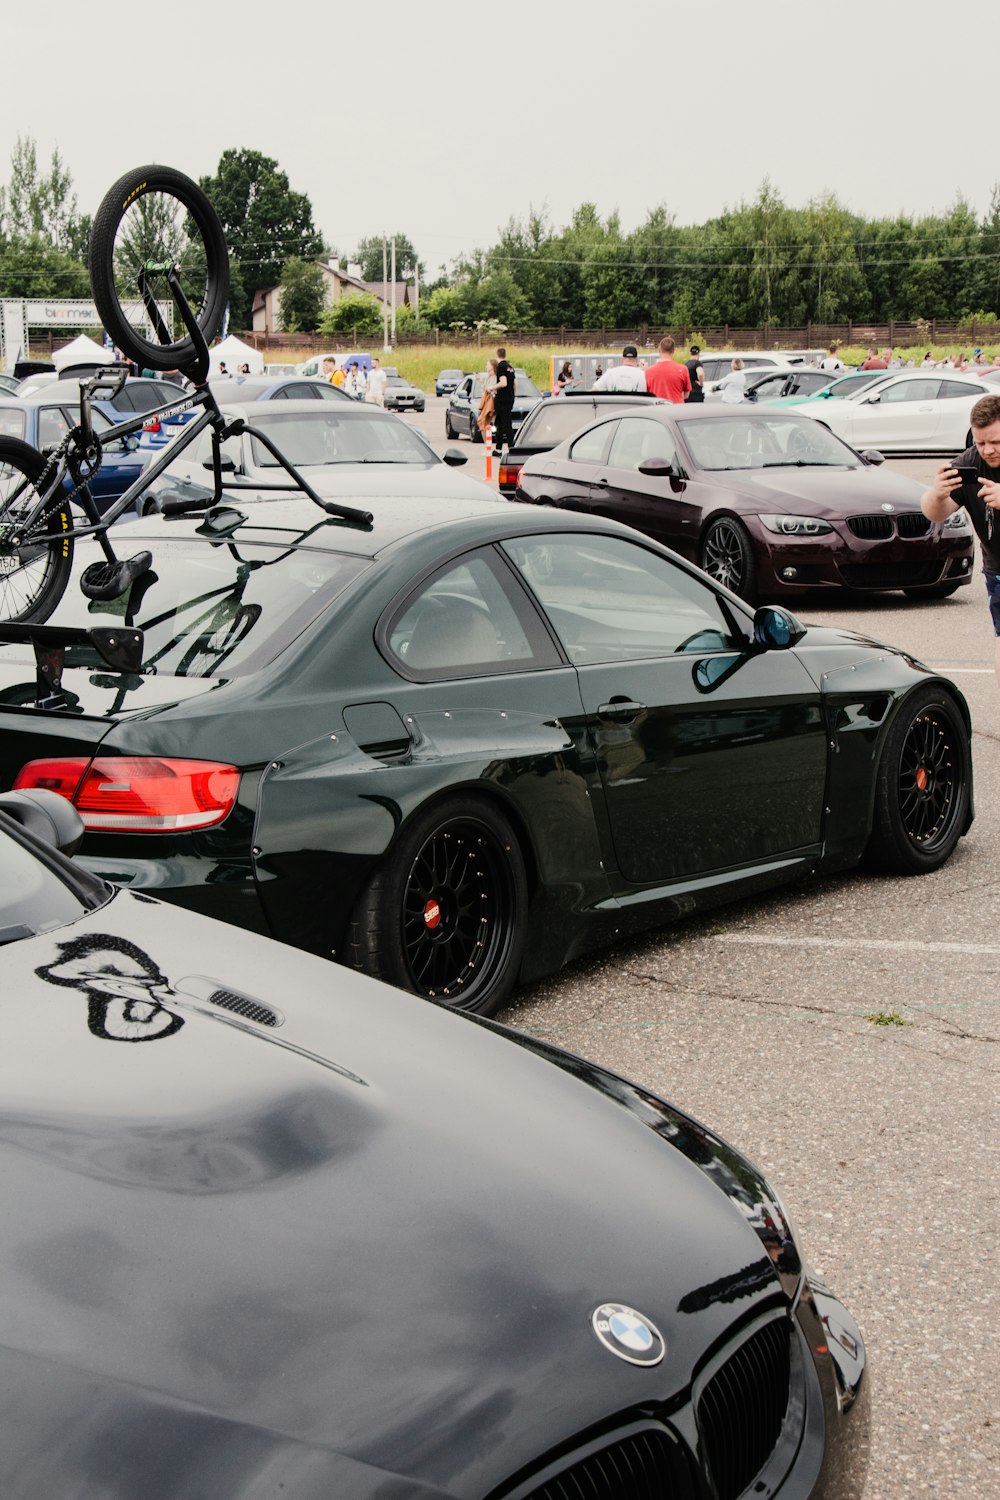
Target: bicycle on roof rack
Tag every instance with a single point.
(157, 237)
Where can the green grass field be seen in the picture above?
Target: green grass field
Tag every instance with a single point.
(419, 363)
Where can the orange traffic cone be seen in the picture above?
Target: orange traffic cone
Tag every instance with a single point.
(488, 439)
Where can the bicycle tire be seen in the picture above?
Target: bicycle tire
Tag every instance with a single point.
(33, 574)
(155, 215)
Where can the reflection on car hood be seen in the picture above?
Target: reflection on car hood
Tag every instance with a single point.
(833, 492)
(348, 483)
(374, 1233)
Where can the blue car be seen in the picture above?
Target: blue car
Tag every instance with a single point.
(43, 420)
(446, 381)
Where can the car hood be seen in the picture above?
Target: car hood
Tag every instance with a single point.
(350, 483)
(832, 493)
(370, 1236)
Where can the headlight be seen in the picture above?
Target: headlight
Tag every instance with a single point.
(958, 521)
(796, 525)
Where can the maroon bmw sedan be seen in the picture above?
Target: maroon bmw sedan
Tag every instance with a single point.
(767, 502)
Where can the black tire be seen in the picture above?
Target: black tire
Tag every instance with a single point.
(939, 591)
(727, 556)
(445, 915)
(475, 435)
(33, 573)
(922, 786)
(156, 215)
(449, 430)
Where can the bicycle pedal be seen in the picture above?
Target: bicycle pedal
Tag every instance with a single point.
(106, 580)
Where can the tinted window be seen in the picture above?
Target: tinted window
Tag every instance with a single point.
(774, 385)
(463, 623)
(209, 612)
(592, 447)
(637, 439)
(553, 421)
(951, 388)
(312, 439)
(808, 381)
(33, 897)
(911, 390)
(610, 600)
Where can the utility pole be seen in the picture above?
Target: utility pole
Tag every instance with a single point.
(416, 290)
(385, 300)
(393, 336)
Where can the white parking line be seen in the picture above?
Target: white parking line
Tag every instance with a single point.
(883, 944)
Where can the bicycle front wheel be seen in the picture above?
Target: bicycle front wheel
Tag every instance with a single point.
(152, 220)
(34, 565)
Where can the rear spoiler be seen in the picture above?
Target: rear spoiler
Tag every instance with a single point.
(119, 646)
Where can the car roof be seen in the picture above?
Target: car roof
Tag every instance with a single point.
(348, 411)
(396, 521)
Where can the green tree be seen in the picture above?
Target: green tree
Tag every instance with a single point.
(37, 204)
(266, 223)
(354, 311)
(303, 294)
(33, 268)
(369, 257)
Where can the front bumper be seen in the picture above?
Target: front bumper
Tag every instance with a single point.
(842, 560)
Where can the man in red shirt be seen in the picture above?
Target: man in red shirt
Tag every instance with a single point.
(667, 378)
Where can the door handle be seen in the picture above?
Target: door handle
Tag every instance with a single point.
(620, 710)
(602, 480)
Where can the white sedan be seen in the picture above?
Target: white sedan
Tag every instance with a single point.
(916, 411)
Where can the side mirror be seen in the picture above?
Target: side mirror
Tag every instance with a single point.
(751, 395)
(873, 456)
(130, 443)
(658, 468)
(453, 457)
(872, 400)
(225, 464)
(776, 629)
(48, 816)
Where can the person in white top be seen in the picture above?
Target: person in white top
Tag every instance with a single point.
(360, 382)
(832, 360)
(628, 376)
(377, 382)
(732, 387)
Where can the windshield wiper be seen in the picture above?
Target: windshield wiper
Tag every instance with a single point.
(805, 463)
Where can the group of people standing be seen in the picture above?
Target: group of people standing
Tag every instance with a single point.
(496, 405)
(669, 378)
(356, 381)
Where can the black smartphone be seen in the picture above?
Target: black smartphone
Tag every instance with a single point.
(969, 476)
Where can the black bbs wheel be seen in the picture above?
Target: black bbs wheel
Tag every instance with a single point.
(152, 219)
(727, 556)
(35, 567)
(445, 916)
(923, 786)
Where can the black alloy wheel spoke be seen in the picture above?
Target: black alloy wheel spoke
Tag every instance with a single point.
(927, 781)
(457, 908)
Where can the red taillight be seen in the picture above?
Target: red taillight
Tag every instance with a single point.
(151, 427)
(510, 473)
(138, 794)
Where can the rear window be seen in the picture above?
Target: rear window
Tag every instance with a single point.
(214, 610)
(554, 421)
(324, 437)
(11, 422)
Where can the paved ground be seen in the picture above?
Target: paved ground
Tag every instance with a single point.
(881, 1139)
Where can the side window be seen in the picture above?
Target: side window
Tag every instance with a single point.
(53, 426)
(639, 438)
(11, 423)
(910, 390)
(465, 388)
(283, 394)
(464, 622)
(592, 447)
(951, 388)
(611, 600)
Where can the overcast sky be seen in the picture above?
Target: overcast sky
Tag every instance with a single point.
(441, 120)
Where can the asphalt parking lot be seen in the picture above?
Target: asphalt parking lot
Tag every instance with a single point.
(881, 1138)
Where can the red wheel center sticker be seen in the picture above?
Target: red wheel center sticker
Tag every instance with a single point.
(922, 778)
(432, 913)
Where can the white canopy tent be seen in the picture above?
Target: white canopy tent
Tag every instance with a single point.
(233, 353)
(82, 351)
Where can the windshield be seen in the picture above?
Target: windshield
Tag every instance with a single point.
(209, 610)
(317, 439)
(764, 441)
(35, 894)
(525, 387)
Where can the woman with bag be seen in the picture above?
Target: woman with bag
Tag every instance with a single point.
(486, 407)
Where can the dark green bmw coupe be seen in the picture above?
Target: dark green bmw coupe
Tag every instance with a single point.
(459, 746)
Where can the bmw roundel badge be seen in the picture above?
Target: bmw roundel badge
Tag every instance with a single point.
(628, 1334)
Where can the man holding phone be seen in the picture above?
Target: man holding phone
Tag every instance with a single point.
(973, 480)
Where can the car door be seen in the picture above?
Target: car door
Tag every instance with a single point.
(569, 480)
(708, 753)
(460, 407)
(650, 503)
(899, 414)
(956, 399)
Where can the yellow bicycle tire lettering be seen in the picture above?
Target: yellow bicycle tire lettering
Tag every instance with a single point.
(64, 518)
(133, 194)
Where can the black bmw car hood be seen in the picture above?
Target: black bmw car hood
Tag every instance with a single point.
(833, 493)
(261, 1206)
